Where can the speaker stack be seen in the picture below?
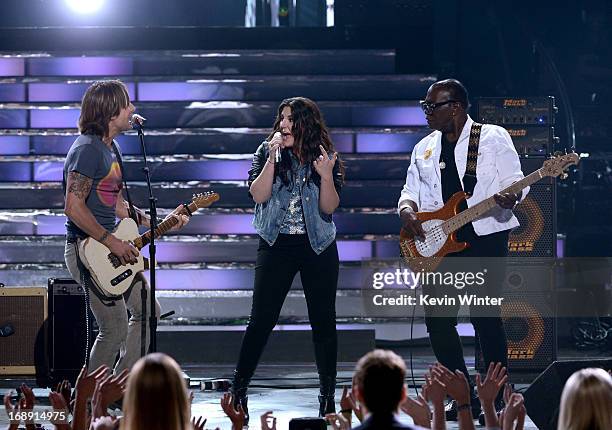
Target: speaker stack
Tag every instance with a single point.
(528, 310)
(67, 329)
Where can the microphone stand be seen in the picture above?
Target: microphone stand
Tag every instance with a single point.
(152, 250)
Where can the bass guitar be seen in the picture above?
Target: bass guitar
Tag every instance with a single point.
(440, 227)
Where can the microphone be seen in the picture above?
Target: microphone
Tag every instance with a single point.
(277, 154)
(137, 122)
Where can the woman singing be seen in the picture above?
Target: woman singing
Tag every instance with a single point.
(295, 180)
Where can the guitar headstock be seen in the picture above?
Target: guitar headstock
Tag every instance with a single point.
(557, 165)
(203, 200)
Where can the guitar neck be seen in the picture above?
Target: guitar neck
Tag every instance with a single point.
(162, 228)
(462, 218)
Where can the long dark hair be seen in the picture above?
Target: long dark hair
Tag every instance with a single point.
(102, 101)
(309, 131)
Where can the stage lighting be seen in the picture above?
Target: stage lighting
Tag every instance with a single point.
(85, 6)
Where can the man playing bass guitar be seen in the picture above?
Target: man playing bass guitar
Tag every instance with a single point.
(440, 167)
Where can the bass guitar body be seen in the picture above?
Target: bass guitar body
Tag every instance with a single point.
(425, 254)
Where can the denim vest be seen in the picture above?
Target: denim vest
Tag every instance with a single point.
(269, 215)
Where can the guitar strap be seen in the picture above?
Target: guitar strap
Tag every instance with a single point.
(469, 178)
(131, 210)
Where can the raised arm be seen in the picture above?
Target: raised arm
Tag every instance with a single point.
(262, 170)
(328, 196)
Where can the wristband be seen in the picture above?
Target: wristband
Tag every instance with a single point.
(346, 411)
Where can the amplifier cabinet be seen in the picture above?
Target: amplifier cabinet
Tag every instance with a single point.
(67, 329)
(23, 315)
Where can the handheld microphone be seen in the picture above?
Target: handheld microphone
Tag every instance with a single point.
(277, 154)
(137, 122)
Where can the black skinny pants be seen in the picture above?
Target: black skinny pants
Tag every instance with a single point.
(275, 269)
(441, 322)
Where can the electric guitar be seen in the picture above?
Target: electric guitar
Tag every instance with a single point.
(105, 267)
(441, 226)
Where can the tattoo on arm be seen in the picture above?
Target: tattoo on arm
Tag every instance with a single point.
(104, 237)
(79, 185)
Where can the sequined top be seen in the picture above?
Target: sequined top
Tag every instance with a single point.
(293, 223)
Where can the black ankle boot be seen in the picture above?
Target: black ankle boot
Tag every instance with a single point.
(239, 393)
(327, 391)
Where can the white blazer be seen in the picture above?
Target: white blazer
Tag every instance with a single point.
(498, 167)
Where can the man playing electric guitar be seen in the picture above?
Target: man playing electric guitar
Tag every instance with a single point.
(93, 192)
(440, 167)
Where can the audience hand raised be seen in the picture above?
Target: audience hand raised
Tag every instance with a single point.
(236, 415)
(104, 423)
(338, 421)
(86, 383)
(418, 410)
(268, 421)
(199, 424)
(348, 402)
(456, 384)
(59, 405)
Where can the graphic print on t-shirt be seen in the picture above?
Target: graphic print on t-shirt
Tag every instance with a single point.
(109, 186)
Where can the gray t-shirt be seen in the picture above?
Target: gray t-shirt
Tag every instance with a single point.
(90, 157)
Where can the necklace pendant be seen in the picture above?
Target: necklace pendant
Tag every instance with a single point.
(442, 165)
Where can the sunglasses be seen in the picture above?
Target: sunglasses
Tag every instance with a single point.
(429, 107)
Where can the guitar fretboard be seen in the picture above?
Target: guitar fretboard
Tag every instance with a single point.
(462, 218)
(162, 228)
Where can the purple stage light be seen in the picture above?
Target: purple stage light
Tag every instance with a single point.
(12, 93)
(343, 142)
(12, 66)
(16, 227)
(50, 225)
(405, 116)
(48, 171)
(220, 224)
(61, 92)
(13, 118)
(387, 248)
(81, 66)
(382, 142)
(188, 91)
(56, 118)
(560, 246)
(354, 250)
(15, 171)
(52, 145)
(14, 145)
(204, 279)
(223, 170)
(130, 144)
